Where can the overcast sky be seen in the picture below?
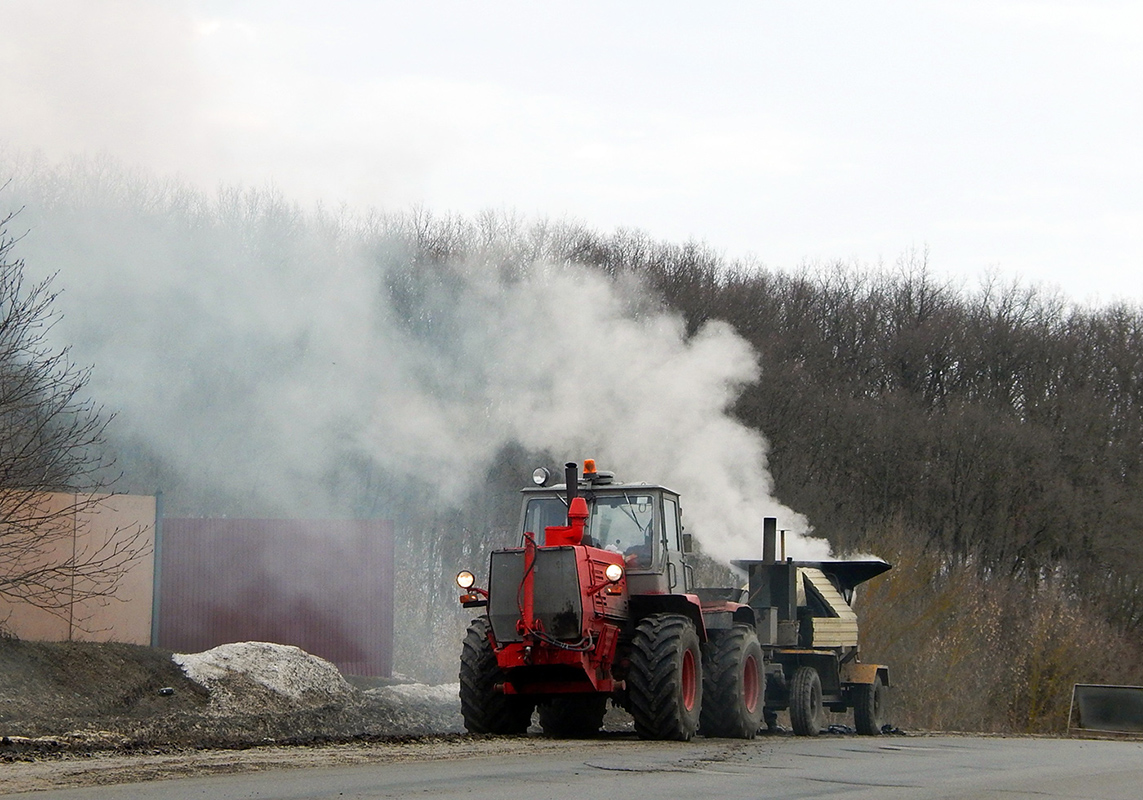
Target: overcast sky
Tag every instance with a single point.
(997, 134)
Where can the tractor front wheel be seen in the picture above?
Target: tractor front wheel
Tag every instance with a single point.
(486, 710)
(733, 680)
(573, 716)
(664, 682)
(869, 707)
(806, 709)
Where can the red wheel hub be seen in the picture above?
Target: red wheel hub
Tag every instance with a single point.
(690, 682)
(750, 684)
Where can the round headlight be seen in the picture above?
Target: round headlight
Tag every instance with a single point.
(540, 476)
(613, 573)
(465, 579)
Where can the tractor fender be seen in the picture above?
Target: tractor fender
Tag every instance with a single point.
(644, 605)
(725, 615)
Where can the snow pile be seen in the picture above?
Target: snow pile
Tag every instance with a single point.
(278, 690)
(242, 674)
(417, 707)
(445, 694)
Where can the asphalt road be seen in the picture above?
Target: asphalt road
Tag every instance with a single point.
(618, 768)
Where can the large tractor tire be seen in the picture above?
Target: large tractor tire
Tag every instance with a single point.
(807, 713)
(869, 706)
(733, 681)
(664, 682)
(573, 716)
(484, 709)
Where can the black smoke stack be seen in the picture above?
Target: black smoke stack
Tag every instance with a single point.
(769, 539)
(571, 480)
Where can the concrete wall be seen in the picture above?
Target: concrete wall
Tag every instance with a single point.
(126, 617)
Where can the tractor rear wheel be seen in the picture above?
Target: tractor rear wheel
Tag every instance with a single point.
(806, 710)
(573, 716)
(733, 679)
(486, 710)
(869, 707)
(664, 682)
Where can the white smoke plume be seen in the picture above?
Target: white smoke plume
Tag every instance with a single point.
(262, 352)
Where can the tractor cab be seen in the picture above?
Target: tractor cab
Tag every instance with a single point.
(641, 522)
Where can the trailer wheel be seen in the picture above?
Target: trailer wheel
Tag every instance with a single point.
(733, 684)
(806, 709)
(484, 709)
(573, 716)
(664, 682)
(869, 707)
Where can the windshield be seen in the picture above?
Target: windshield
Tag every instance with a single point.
(621, 523)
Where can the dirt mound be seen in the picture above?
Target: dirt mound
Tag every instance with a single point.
(52, 687)
(93, 696)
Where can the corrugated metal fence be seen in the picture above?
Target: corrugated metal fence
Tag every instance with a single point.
(323, 585)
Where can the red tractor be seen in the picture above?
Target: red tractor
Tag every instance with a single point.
(599, 604)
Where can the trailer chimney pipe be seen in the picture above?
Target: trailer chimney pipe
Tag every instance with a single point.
(769, 539)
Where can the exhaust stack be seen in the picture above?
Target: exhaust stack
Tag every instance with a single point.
(770, 540)
(571, 480)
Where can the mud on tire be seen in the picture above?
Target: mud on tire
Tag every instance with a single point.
(869, 707)
(664, 682)
(573, 716)
(484, 709)
(733, 681)
(807, 712)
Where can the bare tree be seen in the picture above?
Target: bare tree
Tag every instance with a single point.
(53, 473)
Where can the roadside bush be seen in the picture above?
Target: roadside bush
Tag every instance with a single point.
(973, 650)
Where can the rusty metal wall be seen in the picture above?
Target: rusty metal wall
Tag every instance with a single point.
(323, 585)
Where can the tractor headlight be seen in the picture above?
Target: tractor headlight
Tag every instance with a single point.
(465, 579)
(613, 573)
(540, 476)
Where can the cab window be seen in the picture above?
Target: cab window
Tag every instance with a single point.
(671, 527)
(544, 512)
(626, 524)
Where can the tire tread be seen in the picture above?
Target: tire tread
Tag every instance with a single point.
(654, 683)
(806, 709)
(869, 707)
(724, 712)
(484, 709)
